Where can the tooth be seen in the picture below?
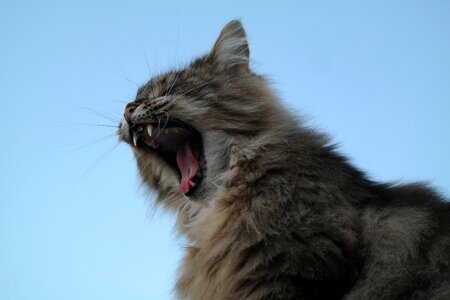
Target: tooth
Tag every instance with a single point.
(154, 145)
(191, 183)
(135, 139)
(150, 129)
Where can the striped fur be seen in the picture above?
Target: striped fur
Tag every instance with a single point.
(282, 214)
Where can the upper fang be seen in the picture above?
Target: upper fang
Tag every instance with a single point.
(149, 129)
(135, 139)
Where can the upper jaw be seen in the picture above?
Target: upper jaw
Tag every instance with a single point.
(165, 134)
(168, 138)
(156, 134)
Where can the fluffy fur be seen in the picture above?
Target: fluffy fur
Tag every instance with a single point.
(280, 214)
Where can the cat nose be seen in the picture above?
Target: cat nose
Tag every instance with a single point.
(129, 109)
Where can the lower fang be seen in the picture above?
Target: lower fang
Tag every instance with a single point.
(191, 183)
(153, 144)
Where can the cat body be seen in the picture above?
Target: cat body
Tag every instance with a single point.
(270, 209)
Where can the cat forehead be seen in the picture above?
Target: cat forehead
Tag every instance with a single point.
(174, 81)
(156, 86)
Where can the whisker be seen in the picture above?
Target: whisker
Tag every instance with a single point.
(99, 113)
(215, 184)
(124, 76)
(158, 49)
(84, 144)
(99, 160)
(158, 83)
(167, 119)
(159, 126)
(98, 125)
(105, 114)
(146, 58)
(76, 147)
(114, 117)
(127, 79)
(121, 101)
(106, 118)
(82, 124)
(173, 84)
(193, 89)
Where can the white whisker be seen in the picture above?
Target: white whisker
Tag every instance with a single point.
(173, 84)
(215, 184)
(74, 147)
(167, 119)
(100, 159)
(146, 58)
(83, 124)
(159, 127)
(193, 89)
(105, 115)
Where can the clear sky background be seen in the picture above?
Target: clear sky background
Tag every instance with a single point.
(74, 221)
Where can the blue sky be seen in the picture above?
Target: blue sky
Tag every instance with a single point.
(74, 221)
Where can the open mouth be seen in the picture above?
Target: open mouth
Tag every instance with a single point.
(179, 144)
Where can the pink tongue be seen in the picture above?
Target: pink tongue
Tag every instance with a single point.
(188, 164)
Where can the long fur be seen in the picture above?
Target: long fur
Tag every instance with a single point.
(283, 215)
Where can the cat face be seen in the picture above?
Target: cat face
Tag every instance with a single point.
(183, 125)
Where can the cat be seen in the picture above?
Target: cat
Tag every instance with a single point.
(271, 210)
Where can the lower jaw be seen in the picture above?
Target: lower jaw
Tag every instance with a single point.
(196, 192)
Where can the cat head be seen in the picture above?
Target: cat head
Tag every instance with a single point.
(183, 124)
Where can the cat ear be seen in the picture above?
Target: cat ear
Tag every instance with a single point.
(231, 50)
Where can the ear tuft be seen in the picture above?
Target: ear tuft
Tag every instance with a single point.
(231, 47)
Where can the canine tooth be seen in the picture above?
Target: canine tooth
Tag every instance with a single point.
(191, 183)
(150, 129)
(135, 139)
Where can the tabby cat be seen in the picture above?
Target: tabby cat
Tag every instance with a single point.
(270, 209)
